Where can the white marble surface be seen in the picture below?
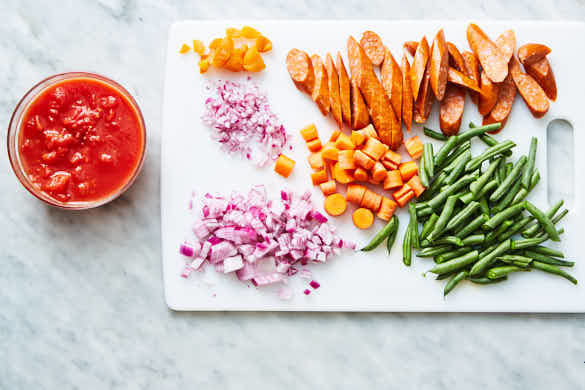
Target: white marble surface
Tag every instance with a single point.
(81, 295)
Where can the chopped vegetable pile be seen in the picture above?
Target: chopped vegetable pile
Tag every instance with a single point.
(260, 240)
(243, 121)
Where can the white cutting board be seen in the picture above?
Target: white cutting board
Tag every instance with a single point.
(354, 281)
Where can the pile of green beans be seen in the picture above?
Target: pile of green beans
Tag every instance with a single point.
(474, 210)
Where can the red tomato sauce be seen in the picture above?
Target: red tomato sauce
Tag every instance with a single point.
(81, 140)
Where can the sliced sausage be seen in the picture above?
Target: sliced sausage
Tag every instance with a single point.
(456, 59)
(531, 92)
(410, 47)
(489, 95)
(424, 103)
(503, 107)
(321, 91)
(472, 71)
(300, 69)
(334, 96)
(419, 64)
(459, 78)
(439, 65)
(373, 46)
(451, 111)
(488, 54)
(407, 100)
(532, 52)
(344, 90)
(391, 76)
(359, 112)
(379, 105)
(506, 42)
(542, 72)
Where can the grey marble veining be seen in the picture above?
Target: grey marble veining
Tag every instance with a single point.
(81, 294)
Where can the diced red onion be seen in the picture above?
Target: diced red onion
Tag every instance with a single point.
(307, 291)
(186, 250)
(314, 284)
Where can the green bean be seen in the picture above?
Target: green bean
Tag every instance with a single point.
(489, 187)
(486, 280)
(548, 251)
(508, 197)
(435, 186)
(534, 179)
(428, 226)
(445, 150)
(450, 162)
(443, 257)
(454, 281)
(554, 220)
(475, 239)
(407, 246)
(493, 235)
(544, 234)
(509, 167)
(521, 261)
(485, 208)
(501, 174)
(547, 259)
(456, 263)
(429, 159)
(459, 168)
(527, 174)
(509, 180)
(420, 205)
(466, 198)
(515, 228)
(413, 225)
(520, 196)
(424, 212)
(449, 240)
(487, 260)
(527, 243)
(500, 217)
(443, 195)
(463, 216)
(489, 141)
(504, 270)
(553, 270)
(392, 237)
(434, 251)
(445, 276)
(533, 230)
(434, 134)
(381, 235)
(489, 153)
(443, 218)
(422, 171)
(476, 131)
(544, 221)
(477, 185)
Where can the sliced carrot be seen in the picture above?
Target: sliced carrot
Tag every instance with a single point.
(335, 204)
(374, 148)
(330, 168)
(402, 191)
(284, 165)
(198, 47)
(362, 218)
(369, 131)
(459, 78)
(355, 193)
(309, 133)
(393, 180)
(316, 161)
(410, 47)
(343, 142)
(342, 176)
(184, 48)
(363, 160)
(345, 158)
(314, 145)
(408, 170)
(414, 147)
(357, 138)
(334, 135)
(403, 200)
(329, 187)
(330, 152)
(379, 173)
(375, 182)
(319, 177)
(389, 165)
(392, 156)
(387, 208)
(416, 185)
(371, 200)
(360, 174)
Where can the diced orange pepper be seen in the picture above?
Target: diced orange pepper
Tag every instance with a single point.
(416, 185)
(408, 170)
(222, 52)
(236, 61)
(363, 160)
(342, 176)
(357, 138)
(215, 43)
(184, 48)
(250, 32)
(309, 132)
(345, 158)
(253, 62)
(379, 173)
(319, 177)
(284, 165)
(330, 152)
(360, 174)
(314, 145)
(316, 161)
(414, 147)
(387, 209)
(393, 180)
(203, 65)
(232, 32)
(198, 47)
(403, 201)
(334, 135)
(374, 148)
(343, 142)
(263, 44)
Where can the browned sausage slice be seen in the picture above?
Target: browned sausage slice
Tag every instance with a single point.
(321, 91)
(451, 111)
(472, 71)
(410, 47)
(359, 112)
(531, 92)
(532, 52)
(503, 107)
(391, 76)
(542, 72)
(490, 57)
(373, 46)
(459, 78)
(489, 95)
(407, 100)
(300, 69)
(506, 42)
(334, 95)
(456, 59)
(419, 64)
(344, 90)
(439, 65)
(424, 103)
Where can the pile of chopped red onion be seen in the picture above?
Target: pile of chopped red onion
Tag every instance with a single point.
(243, 122)
(262, 241)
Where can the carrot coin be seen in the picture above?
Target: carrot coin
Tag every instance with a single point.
(363, 218)
(335, 204)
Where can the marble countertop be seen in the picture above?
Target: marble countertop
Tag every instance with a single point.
(81, 292)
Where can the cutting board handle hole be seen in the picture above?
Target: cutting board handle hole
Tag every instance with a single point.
(560, 164)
